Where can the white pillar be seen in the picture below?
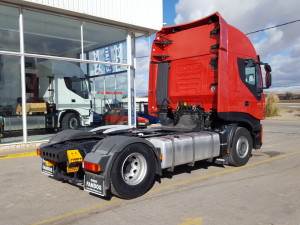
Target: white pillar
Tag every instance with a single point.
(23, 78)
(81, 37)
(131, 81)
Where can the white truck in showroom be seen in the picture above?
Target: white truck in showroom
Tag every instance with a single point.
(57, 96)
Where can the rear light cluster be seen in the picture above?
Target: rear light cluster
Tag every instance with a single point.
(91, 166)
(261, 135)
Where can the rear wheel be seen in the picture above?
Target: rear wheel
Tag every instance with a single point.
(70, 121)
(242, 145)
(133, 171)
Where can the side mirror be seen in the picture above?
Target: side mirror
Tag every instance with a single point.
(268, 68)
(268, 79)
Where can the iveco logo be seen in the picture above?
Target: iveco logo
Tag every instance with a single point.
(191, 67)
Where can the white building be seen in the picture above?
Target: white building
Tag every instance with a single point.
(96, 37)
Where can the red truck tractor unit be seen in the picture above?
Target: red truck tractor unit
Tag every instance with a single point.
(206, 87)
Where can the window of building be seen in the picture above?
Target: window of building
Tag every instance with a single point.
(58, 79)
(10, 96)
(96, 36)
(9, 29)
(47, 34)
(109, 91)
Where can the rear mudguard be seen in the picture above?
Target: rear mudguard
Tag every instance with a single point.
(106, 151)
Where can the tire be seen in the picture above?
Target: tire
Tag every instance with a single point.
(133, 171)
(70, 121)
(241, 147)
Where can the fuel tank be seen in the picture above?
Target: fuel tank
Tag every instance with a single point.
(186, 148)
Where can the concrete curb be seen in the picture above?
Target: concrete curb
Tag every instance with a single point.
(29, 145)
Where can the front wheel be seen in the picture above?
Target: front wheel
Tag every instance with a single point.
(70, 121)
(133, 171)
(242, 145)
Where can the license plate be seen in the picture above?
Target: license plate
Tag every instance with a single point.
(94, 183)
(49, 170)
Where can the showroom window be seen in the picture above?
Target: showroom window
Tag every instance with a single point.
(110, 36)
(111, 48)
(47, 34)
(74, 72)
(10, 97)
(109, 81)
(108, 91)
(9, 29)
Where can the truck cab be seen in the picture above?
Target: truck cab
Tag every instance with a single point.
(65, 86)
(209, 70)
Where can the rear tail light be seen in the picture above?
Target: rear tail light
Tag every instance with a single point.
(261, 135)
(91, 166)
(38, 151)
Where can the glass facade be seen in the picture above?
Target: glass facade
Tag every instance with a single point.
(10, 95)
(92, 32)
(9, 29)
(109, 91)
(51, 35)
(74, 73)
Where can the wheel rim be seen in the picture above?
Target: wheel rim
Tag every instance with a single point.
(242, 147)
(73, 123)
(134, 169)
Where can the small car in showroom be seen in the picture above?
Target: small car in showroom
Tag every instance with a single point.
(120, 116)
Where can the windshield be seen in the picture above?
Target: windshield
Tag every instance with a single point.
(77, 85)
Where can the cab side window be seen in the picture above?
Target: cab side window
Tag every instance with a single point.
(78, 86)
(250, 75)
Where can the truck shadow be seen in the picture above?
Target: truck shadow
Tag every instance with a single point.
(80, 187)
(186, 169)
(267, 153)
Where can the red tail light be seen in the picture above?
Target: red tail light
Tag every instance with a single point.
(261, 135)
(91, 166)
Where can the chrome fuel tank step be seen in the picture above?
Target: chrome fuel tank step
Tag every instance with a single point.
(186, 148)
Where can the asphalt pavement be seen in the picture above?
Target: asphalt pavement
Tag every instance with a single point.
(266, 191)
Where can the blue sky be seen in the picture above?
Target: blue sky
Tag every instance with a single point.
(280, 46)
(169, 11)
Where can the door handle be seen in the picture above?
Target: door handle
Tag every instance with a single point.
(246, 103)
(73, 100)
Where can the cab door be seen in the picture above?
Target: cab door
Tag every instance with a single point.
(253, 98)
